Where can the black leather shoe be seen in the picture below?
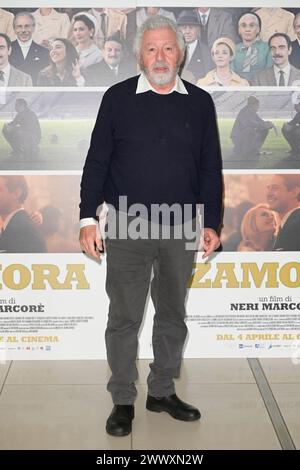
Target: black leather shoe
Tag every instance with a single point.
(174, 406)
(119, 420)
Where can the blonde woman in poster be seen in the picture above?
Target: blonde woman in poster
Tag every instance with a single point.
(259, 228)
(222, 53)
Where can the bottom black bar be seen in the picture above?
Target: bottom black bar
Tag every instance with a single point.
(125, 459)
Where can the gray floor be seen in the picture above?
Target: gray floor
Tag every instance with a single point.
(64, 405)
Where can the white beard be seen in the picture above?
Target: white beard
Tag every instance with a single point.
(161, 78)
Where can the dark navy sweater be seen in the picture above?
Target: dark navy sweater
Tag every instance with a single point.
(154, 148)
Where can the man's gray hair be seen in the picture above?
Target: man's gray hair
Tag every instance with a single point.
(24, 13)
(158, 22)
(249, 14)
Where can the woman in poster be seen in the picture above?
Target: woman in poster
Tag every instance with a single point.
(259, 228)
(222, 52)
(63, 65)
(83, 32)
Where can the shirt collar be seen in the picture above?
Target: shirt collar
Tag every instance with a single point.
(286, 69)
(286, 216)
(6, 69)
(206, 13)
(144, 85)
(116, 67)
(192, 46)
(25, 44)
(255, 43)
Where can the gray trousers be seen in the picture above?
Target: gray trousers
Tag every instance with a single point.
(129, 266)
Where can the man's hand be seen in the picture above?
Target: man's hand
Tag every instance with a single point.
(90, 241)
(210, 241)
(76, 70)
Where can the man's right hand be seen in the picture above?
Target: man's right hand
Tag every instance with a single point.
(90, 241)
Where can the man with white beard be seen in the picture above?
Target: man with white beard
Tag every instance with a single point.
(155, 142)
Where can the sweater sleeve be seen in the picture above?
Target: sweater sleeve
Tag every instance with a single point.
(211, 184)
(98, 158)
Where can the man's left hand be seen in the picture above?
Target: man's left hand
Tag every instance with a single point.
(210, 241)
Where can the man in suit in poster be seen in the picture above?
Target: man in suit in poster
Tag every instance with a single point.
(283, 196)
(215, 23)
(198, 59)
(19, 234)
(27, 55)
(282, 73)
(111, 21)
(10, 75)
(115, 66)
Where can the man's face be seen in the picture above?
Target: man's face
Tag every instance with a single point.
(279, 197)
(4, 52)
(24, 28)
(297, 27)
(6, 198)
(160, 55)
(248, 28)
(280, 51)
(112, 53)
(191, 32)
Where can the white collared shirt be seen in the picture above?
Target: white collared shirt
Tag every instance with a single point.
(286, 216)
(286, 70)
(115, 69)
(206, 15)
(191, 49)
(143, 86)
(25, 46)
(6, 75)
